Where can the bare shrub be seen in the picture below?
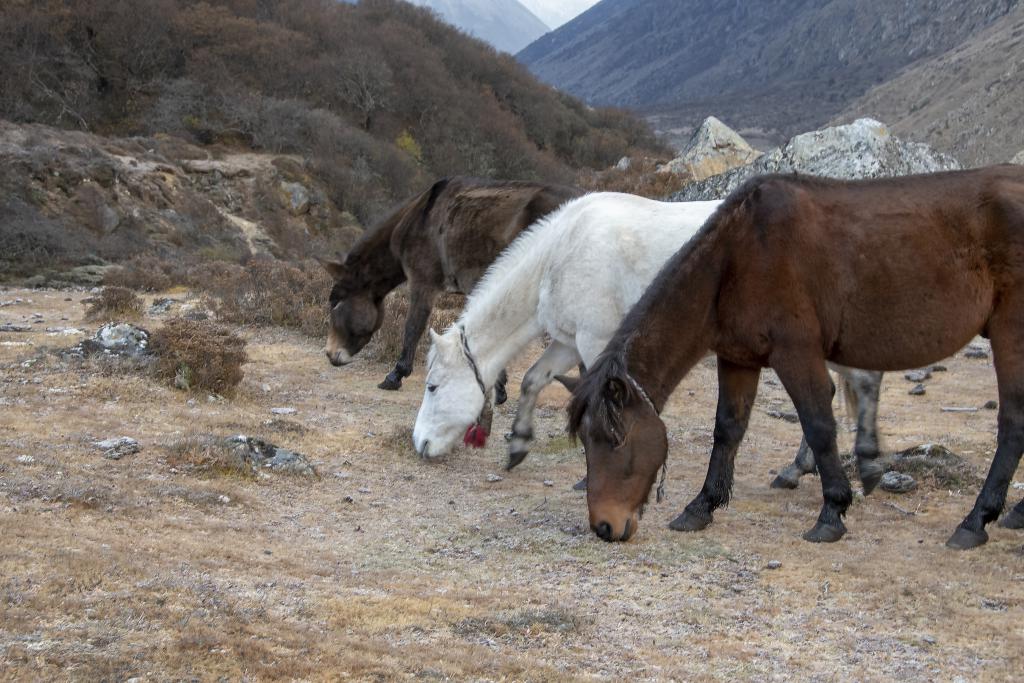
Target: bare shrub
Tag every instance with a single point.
(146, 274)
(113, 303)
(388, 340)
(266, 292)
(639, 178)
(198, 355)
(208, 456)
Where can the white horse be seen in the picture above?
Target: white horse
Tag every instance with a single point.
(573, 275)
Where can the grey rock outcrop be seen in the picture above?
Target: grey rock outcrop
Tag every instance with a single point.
(714, 148)
(260, 454)
(862, 149)
(120, 339)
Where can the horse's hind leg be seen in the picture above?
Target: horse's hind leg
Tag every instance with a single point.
(558, 358)
(421, 302)
(1008, 356)
(807, 381)
(865, 386)
(737, 388)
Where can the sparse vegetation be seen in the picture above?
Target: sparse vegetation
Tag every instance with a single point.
(198, 356)
(639, 177)
(208, 456)
(113, 303)
(387, 343)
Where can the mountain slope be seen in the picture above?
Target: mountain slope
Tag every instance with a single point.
(968, 102)
(555, 13)
(505, 24)
(789, 65)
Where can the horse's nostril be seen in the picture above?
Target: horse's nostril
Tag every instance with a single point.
(425, 449)
(604, 531)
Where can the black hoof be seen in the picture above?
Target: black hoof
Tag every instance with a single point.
(1013, 520)
(500, 395)
(390, 383)
(581, 485)
(690, 522)
(870, 475)
(516, 458)
(825, 533)
(965, 539)
(782, 481)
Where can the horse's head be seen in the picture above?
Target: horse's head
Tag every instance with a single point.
(625, 443)
(356, 314)
(452, 399)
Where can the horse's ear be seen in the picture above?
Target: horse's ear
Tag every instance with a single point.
(615, 391)
(569, 383)
(336, 269)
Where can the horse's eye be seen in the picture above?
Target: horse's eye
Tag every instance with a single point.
(431, 388)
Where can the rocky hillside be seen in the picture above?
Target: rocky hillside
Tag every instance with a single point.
(788, 66)
(506, 24)
(72, 203)
(968, 101)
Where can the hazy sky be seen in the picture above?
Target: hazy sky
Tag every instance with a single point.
(554, 13)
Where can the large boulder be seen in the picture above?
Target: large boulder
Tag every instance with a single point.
(712, 150)
(862, 149)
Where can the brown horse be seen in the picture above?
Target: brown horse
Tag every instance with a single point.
(792, 272)
(441, 240)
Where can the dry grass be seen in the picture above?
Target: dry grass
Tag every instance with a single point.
(389, 568)
(199, 356)
(641, 178)
(146, 274)
(208, 456)
(113, 303)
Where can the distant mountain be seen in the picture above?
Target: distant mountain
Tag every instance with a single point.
(787, 65)
(554, 13)
(505, 24)
(968, 101)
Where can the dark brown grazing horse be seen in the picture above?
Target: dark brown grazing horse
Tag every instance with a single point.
(441, 240)
(792, 272)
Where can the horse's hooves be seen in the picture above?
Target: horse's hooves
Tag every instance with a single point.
(581, 485)
(1013, 520)
(690, 522)
(825, 533)
(390, 384)
(516, 458)
(781, 481)
(500, 395)
(965, 539)
(870, 475)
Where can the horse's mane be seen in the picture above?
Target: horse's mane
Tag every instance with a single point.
(410, 211)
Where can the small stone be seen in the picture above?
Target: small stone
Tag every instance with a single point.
(784, 415)
(224, 500)
(284, 411)
(348, 499)
(118, 447)
(976, 353)
(774, 564)
(897, 482)
(918, 390)
(991, 405)
(25, 459)
(548, 482)
(939, 368)
(918, 375)
(1018, 485)
(11, 327)
(929, 639)
(364, 490)
(493, 478)
(265, 387)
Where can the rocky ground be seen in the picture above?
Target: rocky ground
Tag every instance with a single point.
(383, 567)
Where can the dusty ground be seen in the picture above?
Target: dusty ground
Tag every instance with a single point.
(119, 569)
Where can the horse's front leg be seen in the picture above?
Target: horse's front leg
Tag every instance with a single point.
(737, 388)
(421, 302)
(806, 379)
(558, 358)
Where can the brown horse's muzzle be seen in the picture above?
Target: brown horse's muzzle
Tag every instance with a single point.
(336, 351)
(614, 525)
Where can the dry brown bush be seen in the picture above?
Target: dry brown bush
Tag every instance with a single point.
(208, 456)
(388, 340)
(266, 292)
(641, 178)
(146, 274)
(198, 355)
(113, 303)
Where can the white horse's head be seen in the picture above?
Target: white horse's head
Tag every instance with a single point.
(452, 399)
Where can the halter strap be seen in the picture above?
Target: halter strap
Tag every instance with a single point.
(472, 361)
(660, 494)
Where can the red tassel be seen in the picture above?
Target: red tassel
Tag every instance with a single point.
(476, 436)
